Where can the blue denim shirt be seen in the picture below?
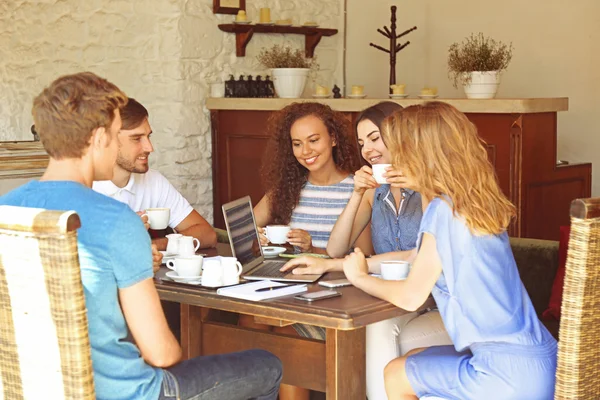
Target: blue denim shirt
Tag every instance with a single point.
(391, 231)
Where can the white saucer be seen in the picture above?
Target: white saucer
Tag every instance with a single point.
(428, 96)
(272, 251)
(242, 22)
(310, 26)
(265, 23)
(321, 96)
(194, 280)
(398, 96)
(356, 96)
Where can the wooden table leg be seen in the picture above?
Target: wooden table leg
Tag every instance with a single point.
(345, 363)
(191, 330)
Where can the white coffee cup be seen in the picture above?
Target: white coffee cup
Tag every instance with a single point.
(173, 243)
(231, 269)
(277, 234)
(158, 217)
(187, 266)
(188, 245)
(378, 171)
(212, 273)
(394, 270)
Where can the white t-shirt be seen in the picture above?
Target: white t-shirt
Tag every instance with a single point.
(149, 190)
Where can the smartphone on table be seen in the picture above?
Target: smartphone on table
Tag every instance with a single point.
(320, 295)
(335, 283)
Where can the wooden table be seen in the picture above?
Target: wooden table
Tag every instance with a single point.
(336, 366)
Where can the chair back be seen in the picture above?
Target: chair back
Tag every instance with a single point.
(44, 343)
(577, 374)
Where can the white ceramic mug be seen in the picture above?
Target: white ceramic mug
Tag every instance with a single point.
(378, 171)
(188, 245)
(232, 269)
(187, 266)
(173, 243)
(394, 270)
(212, 273)
(158, 217)
(277, 234)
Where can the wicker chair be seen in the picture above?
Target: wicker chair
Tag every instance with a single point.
(577, 375)
(44, 343)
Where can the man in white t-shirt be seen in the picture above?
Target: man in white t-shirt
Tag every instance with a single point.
(136, 185)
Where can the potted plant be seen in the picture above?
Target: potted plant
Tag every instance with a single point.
(476, 63)
(290, 69)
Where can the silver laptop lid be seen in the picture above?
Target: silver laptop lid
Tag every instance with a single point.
(243, 234)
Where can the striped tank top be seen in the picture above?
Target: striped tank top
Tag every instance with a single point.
(319, 208)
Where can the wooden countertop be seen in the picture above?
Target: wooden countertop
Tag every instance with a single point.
(493, 106)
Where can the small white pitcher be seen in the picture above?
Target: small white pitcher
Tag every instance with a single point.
(232, 269)
(173, 244)
(188, 246)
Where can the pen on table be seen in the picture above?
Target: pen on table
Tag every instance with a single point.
(266, 289)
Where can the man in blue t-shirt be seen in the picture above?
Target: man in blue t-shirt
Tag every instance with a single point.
(78, 119)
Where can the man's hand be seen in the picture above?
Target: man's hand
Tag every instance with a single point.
(144, 217)
(306, 266)
(355, 266)
(156, 258)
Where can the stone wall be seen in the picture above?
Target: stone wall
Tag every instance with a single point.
(165, 53)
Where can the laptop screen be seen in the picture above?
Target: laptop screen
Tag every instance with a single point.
(242, 232)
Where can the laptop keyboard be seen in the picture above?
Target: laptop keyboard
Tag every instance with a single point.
(270, 269)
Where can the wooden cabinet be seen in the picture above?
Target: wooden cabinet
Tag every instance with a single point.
(521, 139)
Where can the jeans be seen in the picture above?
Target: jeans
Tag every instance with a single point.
(252, 374)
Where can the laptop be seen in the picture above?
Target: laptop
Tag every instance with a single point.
(245, 245)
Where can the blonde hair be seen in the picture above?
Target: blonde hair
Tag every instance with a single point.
(438, 148)
(67, 112)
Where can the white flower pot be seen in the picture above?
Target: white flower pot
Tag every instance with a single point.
(484, 85)
(289, 82)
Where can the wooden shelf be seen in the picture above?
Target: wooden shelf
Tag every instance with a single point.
(243, 34)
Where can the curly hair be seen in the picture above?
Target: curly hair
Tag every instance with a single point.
(282, 175)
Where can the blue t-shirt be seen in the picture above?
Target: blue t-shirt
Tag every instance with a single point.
(114, 252)
(479, 294)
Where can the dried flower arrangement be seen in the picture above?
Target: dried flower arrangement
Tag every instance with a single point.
(476, 53)
(284, 57)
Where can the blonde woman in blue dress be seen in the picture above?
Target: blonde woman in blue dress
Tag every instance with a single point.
(500, 349)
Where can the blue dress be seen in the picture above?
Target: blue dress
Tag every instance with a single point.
(501, 350)
(391, 231)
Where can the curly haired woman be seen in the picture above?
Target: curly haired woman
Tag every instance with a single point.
(307, 174)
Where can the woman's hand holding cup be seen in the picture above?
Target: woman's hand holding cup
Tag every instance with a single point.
(300, 238)
(396, 178)
(262, 235)
(363, 180)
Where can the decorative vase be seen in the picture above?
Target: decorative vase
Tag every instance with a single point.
(483, 85)
(289, 82)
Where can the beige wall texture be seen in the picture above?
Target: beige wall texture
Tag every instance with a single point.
(556, 53)
(165, 53)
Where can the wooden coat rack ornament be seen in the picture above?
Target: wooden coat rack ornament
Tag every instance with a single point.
(394, 48)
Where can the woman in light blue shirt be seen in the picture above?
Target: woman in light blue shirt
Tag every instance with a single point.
(501, 350)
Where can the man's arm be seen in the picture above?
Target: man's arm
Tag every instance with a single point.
(147, 323)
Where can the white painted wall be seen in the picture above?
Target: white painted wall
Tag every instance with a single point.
(165, 53)
(557, 53)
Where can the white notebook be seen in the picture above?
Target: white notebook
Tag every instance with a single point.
(247, 291)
